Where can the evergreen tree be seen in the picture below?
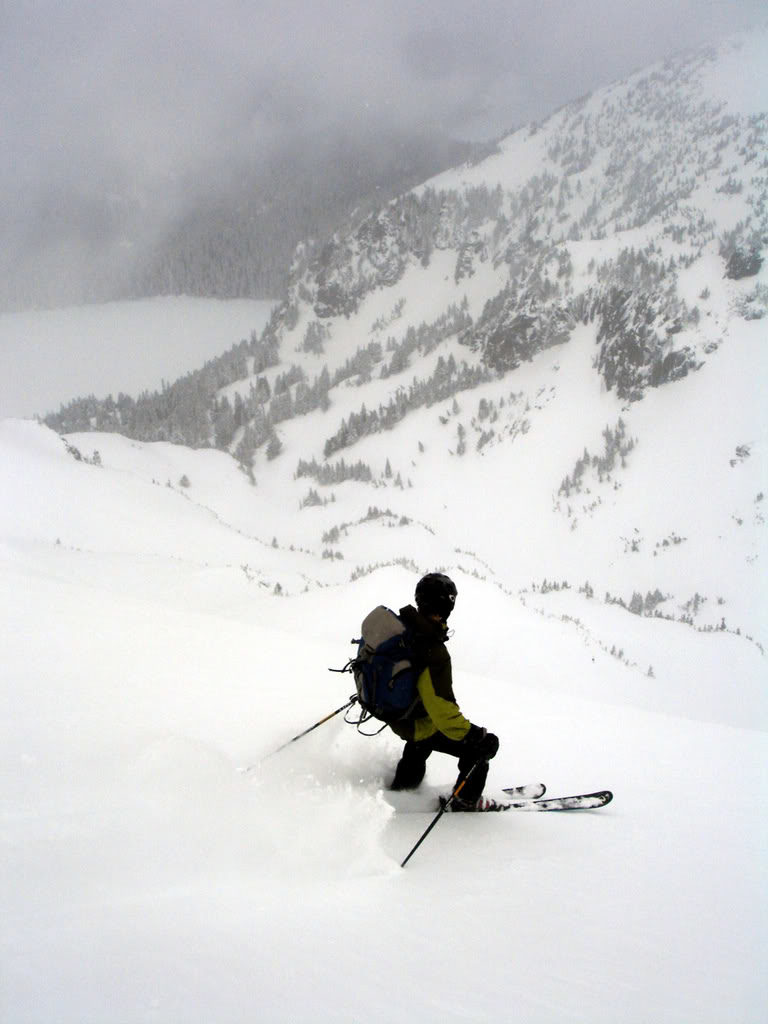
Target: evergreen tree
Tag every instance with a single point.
(274, 445)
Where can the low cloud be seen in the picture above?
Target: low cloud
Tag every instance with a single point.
(142, 100)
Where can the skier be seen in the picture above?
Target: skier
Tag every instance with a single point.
(436, 723)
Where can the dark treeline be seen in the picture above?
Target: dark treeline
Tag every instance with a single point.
(185, 412)
(446, 381)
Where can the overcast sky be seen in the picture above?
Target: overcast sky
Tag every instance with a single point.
(138, 89)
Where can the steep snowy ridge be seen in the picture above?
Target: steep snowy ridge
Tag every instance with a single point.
(654, 168)
(503, 375)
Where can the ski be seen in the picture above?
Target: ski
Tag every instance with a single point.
(533, 791)
(406, 802)
(583, 802)
(529, 793)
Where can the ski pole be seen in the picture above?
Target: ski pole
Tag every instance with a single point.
(287, 743)
(441, 812)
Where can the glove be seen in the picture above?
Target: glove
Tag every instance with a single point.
(484, 744)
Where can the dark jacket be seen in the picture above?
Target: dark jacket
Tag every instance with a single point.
(437, 710)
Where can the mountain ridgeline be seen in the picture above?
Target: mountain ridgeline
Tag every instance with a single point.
(628, 211)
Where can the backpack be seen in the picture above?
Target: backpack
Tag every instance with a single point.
(384, 669)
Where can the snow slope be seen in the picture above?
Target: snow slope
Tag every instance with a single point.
(147, 879)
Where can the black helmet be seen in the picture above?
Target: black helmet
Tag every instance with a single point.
(436, 595)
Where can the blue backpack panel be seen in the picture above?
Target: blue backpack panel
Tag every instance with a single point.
(385, 675)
